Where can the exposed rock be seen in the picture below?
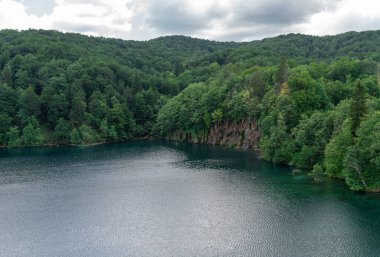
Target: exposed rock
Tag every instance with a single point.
(244, 134)
(296, 171)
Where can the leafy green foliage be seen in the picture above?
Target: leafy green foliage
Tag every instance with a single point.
(31, 134)
(336, 150)
(316, 99)
(362, 161)
(310, 139)
(358, 107)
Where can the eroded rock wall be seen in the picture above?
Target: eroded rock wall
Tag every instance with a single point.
(243, 134)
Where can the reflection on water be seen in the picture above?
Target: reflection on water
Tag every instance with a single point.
(168, 199)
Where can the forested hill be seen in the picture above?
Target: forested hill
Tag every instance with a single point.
(351, 44)
(316, 99)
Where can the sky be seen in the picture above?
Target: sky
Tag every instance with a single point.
(221, 20)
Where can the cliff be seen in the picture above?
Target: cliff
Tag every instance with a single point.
(243, 134)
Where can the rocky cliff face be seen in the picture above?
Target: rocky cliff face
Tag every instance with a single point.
(244, 134)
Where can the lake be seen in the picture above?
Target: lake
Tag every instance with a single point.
(172, 199)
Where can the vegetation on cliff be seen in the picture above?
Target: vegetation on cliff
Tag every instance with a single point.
(316, 99)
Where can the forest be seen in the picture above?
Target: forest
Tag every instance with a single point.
(316, 99)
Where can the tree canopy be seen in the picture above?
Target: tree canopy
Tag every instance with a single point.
(316, 99)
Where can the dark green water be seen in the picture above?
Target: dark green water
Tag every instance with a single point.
(156, 199)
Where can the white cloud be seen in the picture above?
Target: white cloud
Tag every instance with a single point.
(108, 18)
(212, 19)
(13, 15)
(347, 15)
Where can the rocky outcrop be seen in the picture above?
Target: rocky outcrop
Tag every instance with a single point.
(244, 134)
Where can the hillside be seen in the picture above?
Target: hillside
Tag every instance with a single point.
(315, 100)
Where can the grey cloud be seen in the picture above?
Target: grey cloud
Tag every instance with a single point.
(237, 20)
(94, 2)
(119, 21)
(173, 17)
(276, 12)
(250, 33)
(168, 16)
(355, 23)
(80, 28)
(105, 30)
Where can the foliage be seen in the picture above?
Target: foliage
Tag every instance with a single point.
(316, 99)
(336, 150)
(362, 161)
(358, 107)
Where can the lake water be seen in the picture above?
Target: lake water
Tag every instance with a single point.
(168, 199)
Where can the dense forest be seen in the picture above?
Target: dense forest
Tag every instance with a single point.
(316, 99)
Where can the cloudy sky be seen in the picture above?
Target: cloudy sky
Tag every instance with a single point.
(224, 20)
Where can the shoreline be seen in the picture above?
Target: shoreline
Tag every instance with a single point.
(146, 138)
(76, 145)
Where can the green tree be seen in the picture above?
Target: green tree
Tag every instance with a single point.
(310, 138)
(88, 135)
(97, 108)
(336, 150)
(13, 137)
(7, 75)
(103, 129)
(122, 120)
(75, 137)
(112, 134)
(78, 111)
(58, 108)
(277, 147)
(5, 125)
(62, 132)
(362, 161)
(282, 73)
(8, 100)
(30, 103)
(31, 134)
(358, 107)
